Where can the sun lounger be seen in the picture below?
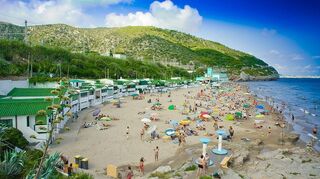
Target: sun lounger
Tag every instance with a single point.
(224, 162)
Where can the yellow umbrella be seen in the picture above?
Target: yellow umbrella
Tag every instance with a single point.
(185, 122)
(259, 116)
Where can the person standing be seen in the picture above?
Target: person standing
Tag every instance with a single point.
(70, 170)
(141, 165)
(127, 132)
(201, 164)
(315, 131)
(156, 154)
(231, 132)
(142, 133)
(292, 117)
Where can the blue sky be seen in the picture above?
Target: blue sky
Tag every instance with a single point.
(284, 33)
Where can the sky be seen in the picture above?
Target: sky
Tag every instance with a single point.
(283, 33)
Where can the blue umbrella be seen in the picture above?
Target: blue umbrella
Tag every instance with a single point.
(260, 107)
(96, 112)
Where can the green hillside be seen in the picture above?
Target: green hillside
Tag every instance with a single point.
(150, 45)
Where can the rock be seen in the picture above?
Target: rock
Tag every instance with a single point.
(240, 157)
(292, 137)
(163, 169)
(257, 142)
(230, 174)
(186, 165)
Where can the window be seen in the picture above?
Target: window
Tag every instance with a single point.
(6, 122)
(83, 94)
(28, 122)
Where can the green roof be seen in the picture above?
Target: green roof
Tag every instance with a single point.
(17, 92)
(76, 81)
(19, 107)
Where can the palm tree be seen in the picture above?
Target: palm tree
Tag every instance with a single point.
(12, 164)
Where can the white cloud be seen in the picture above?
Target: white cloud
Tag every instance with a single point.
(48, 12)
(268, 32)
(274, 52)
(161, 14)
(296, 57)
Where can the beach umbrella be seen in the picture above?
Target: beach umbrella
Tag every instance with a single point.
(260, 106)
(246, 105)
(229, 117)
(145, 120)
(207, 116)
(259, 116)
(171, 107)
(238, 114)
(153, 128)
(185, 122)
(96, 112)
(170, 132)
(105, 119)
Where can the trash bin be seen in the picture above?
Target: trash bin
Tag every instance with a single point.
(77, 159)
(84, 163)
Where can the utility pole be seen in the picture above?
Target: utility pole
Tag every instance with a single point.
(68, 72)
(105, 72)
(26, 31)
(108, 74)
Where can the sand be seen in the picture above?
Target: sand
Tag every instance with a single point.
(111, 146)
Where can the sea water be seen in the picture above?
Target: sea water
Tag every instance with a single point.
(295, 96)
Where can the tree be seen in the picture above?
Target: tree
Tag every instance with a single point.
(47, 165)
(14, 137)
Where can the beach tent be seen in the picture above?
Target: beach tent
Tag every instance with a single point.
(145, 120)
(229, 117)
(171, 107)
(134, 94)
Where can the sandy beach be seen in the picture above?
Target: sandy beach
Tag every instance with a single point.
(111, 146)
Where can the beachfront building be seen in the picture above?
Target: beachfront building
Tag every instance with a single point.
(19, 109)
(213, 76)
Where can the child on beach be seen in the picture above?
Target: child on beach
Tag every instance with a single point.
(141, 166)
(231, 131)
(201, 163)
(156, 153)
(130, 173)
(269, 130)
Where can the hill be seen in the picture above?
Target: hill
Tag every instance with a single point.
(152, 45)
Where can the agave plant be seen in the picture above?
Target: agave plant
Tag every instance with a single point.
(48, 168)
(12, 164)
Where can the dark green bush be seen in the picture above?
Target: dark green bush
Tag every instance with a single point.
(15, 137)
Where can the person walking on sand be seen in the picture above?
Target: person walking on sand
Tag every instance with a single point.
(142, 133)
(127, 132)
(130, 173)
(269, 130)
(141, 165)
(156, 154)
(231, 132)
